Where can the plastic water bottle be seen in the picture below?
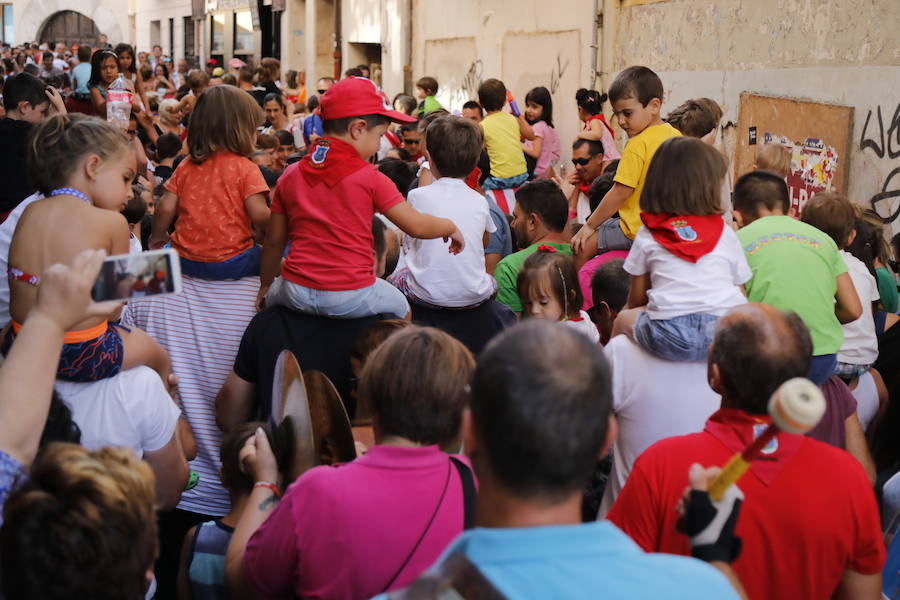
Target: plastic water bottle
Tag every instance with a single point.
(118, 102)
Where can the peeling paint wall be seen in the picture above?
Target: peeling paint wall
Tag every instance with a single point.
(525, 44)
(841, 51)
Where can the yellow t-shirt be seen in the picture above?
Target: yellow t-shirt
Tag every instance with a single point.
(504, 147)
(633, 171)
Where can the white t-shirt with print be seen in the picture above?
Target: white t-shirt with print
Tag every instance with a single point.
(435, 275)
(680, 287)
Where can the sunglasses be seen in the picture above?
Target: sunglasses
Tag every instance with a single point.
(321, 91)
(131, 132)
(408, 141)
(581, 161)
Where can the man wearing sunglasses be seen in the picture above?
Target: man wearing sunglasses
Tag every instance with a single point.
(587, 158)
(411, 141)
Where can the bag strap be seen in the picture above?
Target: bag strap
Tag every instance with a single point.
(421, 537)
(469, 493)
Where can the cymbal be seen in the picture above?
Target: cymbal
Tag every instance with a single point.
(331, 426)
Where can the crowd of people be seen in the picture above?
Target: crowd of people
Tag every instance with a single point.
(547, 362)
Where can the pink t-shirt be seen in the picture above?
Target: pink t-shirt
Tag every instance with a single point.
(549, 150)
(342, 532)
(330, 228)
(610, 151)
(586, 273)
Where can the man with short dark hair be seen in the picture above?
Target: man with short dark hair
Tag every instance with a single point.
(587, 158)
(809, 520)
(537, 423)
(472, 110)
(539, 217)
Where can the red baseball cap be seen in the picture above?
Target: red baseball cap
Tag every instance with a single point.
(355, 97)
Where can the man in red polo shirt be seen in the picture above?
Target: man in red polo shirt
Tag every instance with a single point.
(809, 521)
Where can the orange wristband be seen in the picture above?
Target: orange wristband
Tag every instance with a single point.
(269, 486)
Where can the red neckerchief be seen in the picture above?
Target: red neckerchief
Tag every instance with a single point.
(329, 161)
(472, 179)
(585, 187)
(735, 429)
(392, 138)
(602, 119)
(686, 236)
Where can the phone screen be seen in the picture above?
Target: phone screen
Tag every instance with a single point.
(135, 276)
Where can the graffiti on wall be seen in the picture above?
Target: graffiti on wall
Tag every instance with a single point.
(883, 140)
(813, 165)
(557, 73)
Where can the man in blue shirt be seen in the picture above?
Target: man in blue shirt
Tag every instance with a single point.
(540, 416)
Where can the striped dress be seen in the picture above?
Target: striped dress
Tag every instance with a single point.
(206, 565)
(201, 329)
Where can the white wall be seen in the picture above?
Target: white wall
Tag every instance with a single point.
(110, 16)
(147, 11)
(526, 43)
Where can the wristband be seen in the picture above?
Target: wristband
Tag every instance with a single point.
(269, 486)
(573, 214)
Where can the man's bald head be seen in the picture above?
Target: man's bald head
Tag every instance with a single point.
(541, 400)
(757, 348)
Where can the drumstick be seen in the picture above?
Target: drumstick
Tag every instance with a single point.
(795, 407)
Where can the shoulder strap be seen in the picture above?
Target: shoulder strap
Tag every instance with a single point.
(469, 493)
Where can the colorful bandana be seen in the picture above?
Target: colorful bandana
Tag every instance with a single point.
(736, 429)
(329, 161)
(686, 236)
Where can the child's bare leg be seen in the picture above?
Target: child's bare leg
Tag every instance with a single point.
(624, 323)
(141, 349)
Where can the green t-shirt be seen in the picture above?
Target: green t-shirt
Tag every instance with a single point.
(507, 271)
(887, 289)
(795, 267)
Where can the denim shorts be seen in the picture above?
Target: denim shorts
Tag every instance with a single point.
(380, 298)
(504, 183)
(611, 237)
(821, 368)
(686, 338)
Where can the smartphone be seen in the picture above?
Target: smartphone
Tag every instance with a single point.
(136, 276)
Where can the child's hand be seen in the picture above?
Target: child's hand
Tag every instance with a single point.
(257, 459)
(261, 298)
(56, 100)
(157, 241)
(567, 187)
(581, 238)
(457, 241)
(64, 294)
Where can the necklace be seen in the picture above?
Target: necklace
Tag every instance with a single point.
(71, 192)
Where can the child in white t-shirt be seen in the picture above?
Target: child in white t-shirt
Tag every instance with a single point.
(548, 286)
(835, 215)
(687, 268)
(427, 273)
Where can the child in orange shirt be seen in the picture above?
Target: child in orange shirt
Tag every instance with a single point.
(217, 193)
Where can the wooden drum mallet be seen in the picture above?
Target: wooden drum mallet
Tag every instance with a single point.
(796, 407)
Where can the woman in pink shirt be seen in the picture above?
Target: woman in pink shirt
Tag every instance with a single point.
(372, 525)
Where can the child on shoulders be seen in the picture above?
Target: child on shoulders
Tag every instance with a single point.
(636, 96)
(428, 275)
(686, 265)
(590, 112)
(544, 148)
(426, 90)
(502, 135)
(325, 203)
(84, 167)
(548, 287)
(218, 195)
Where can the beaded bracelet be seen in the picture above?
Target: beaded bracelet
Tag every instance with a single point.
(269, 486)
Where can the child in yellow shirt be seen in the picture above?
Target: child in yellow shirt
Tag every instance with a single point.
(636, 97)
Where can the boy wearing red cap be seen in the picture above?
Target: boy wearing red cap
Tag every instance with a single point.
(324, 206)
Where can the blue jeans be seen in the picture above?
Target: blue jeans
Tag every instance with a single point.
(686, 338)
(380, 298)
(504, 183)
(821, 368)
